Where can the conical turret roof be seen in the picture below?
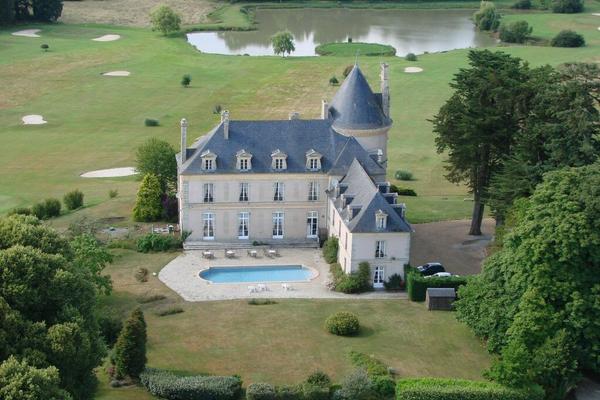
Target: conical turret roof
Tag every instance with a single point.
(355, 107)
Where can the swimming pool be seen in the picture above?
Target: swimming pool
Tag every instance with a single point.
(258, 273)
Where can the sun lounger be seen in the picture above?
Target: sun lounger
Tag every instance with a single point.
(253, 253)
(286, 286)
(229, 253)
(208, 254)
(252, 289)
(262, 287)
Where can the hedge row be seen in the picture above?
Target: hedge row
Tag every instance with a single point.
(373, 366)
(304, 391)
(166, 385)
(157, 242)
(416, 284)
(458, 389)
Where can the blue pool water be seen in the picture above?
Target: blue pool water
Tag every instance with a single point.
(258, 274)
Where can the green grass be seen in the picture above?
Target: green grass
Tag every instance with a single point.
(355, 49)
(97, 122)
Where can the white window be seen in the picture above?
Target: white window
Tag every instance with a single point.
(243, 225)
(314, 164)
(244, 191)
(379, 249)
(378, 277)
(279, 163)
(313, 191)
(244, 164)
(312, 224)
(208, 230)
(208, 164)
(313, 160)
(380, 220)
(278, 225)
(278, 191)
(209, 193)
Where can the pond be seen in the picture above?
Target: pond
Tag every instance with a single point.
(409, 31)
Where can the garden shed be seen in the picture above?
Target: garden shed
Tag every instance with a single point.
(440, 298)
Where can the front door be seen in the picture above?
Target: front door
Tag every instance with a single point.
(378, 277)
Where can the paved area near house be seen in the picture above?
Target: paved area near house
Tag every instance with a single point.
(449, 243)
(181, 275)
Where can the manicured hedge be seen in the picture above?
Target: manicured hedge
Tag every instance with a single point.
(416, 284)
(342, 323)
(458, 389)
(261, 391)
(373, 366)
(166, 385)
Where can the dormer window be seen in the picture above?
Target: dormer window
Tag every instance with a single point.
(209, 160)
(380, 220)
(313, 160)
(244, 160)
(278, 160)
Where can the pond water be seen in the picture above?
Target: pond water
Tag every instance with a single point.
(409, 31)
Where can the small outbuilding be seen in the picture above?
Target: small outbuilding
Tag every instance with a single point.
(440, 298)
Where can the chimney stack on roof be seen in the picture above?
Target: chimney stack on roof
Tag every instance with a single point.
(294, 115)
(184, 125)
(385, 90)
(324, 109)
(225, 122)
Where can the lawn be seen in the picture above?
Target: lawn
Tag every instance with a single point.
(97, 122)
(354, 49)
(283, 342)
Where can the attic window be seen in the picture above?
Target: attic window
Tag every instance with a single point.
(313, 160)
(278, 160)
(380, 220)
(209, 160)
(244, 160)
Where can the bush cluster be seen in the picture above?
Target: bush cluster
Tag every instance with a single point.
(167, 385)
(261, 391)
(356, 386)
(567, 38)
(373, 366)
(162, 312)
(354, 282)
(410, 57)
(73, 200)
(440, 389)
(416, 284)
(487, 18)
(515, 32)
(567, 6)
(402, 191)
(522, 4)
(110, 327)
(394, 282)
(403, 175)
(157, 242)
(46, 209)
(151, 122)
(342, 323)
(330, 250)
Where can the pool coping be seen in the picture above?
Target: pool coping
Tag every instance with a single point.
(314, 271)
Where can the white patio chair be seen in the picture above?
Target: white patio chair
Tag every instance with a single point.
(251, 289)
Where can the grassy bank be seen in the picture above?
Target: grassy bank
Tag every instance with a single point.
(355, 49)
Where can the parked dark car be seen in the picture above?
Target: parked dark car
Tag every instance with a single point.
(431, 268)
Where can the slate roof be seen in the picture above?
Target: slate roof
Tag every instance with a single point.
(354, 106)
(368, 200)
(293, 137)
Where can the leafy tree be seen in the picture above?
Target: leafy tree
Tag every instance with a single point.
(283, 42)
(90, 257)
(165, 20)
(20, 381)
(487, 18)
(567, 6)
(515, 32)
(148, 205)
(7, 12)
(476, 125)
(186, 80)
(157, 157)
(47, 305)
(567, 38)
(47, 10)
(130, 349)
(537, 300)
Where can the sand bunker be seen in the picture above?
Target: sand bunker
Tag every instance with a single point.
(107, 38)
(117, 73)
(596, 14)
(27, 33)
(33, 119)
(413, 70)
(110, 173)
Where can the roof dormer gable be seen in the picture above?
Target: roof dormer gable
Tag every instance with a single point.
(313, 160)
(209, 160)
(278, 160)
(243, 160)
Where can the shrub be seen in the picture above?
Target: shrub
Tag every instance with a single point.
(487, 18)
(384, 386)
(394, 282)
(355, 282)
(373, 366)
(410, 57)
(515, 32)
(165, 20)
(20, 211)
(333, 81)
(168, 311)
(217, 109)
(73, 200)
(261, 302)
(403, 175)
(130, 348)
(342, 323)
(319, 378)
(567, 38)
(347, 70)
(164, 384)
(522, 4)
(151, 122)
(314, 392)
(44, 47)
(157, 242)
(141, 274)
(349, 39)
(110, 327)
(402, 191)
(437, 389)
(330, 250)
(46, 209)
(148, 206)
(567, 6)
(416, 284)
(151, 298)
(261, 391)
(350, 284)
(356, 386)
(113, 193)
(186, 80)
(288, 392)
